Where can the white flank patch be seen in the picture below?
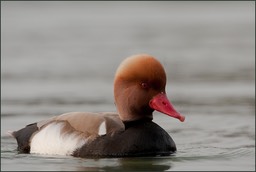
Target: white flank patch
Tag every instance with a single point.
(102, 128)
(50, 141)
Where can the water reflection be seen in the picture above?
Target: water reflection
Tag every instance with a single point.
(128, 164)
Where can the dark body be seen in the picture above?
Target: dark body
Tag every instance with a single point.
(140, 138)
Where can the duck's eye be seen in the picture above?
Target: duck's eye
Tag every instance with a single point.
(144, 85)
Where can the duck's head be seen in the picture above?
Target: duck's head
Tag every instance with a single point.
(139, 89)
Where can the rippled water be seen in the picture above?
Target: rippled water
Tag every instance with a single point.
(61, 56)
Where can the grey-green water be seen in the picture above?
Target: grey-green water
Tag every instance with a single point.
(59, 57)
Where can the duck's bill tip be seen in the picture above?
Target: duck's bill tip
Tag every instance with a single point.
(161, 103)
(182, 118)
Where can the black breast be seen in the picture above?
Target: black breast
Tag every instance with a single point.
(140, 138)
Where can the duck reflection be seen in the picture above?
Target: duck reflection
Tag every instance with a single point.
(130, 164)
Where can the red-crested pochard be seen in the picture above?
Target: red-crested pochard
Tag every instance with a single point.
(139, 89)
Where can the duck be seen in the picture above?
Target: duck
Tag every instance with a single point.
(139, 90)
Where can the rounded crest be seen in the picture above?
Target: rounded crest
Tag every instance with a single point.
(141, 67)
